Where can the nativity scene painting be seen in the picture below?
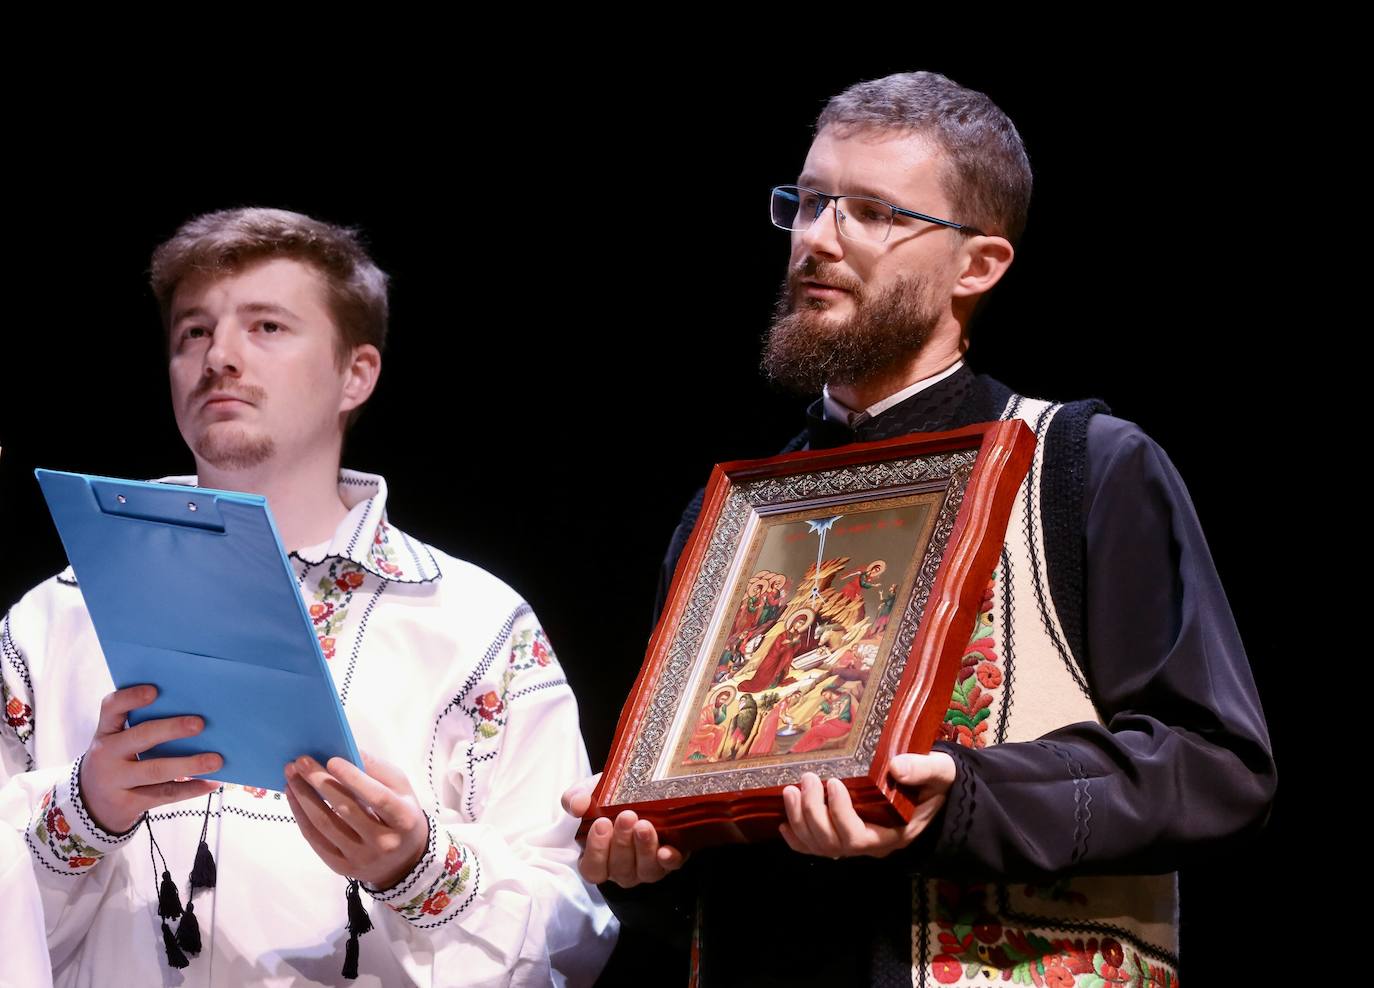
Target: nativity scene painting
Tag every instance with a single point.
(806, 628)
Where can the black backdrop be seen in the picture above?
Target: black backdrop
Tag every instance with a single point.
(572, 349)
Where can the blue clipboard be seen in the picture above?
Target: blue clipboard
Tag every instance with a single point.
(190, 589)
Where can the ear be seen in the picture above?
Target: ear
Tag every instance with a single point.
(360, 380)
(983, 262)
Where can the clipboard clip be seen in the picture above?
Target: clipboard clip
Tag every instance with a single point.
(180, 506)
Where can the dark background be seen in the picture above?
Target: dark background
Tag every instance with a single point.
(572, 348)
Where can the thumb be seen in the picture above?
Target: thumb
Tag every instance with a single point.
(578, 799)
(917, 770)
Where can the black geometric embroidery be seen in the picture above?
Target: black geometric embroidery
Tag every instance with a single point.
(42, 859)
(476, 885)
(12, 653)
(534, 689)
(359, 530)
(431, 849)
(358, 641)
(493, 650)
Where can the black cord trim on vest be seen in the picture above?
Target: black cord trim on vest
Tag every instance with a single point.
(493, 650)
(1062, 512)
(1029, 527)
(1076, 926)
(358, 642)
(1008, 649)
(920, 894)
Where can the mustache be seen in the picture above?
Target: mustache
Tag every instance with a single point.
(811, 269)
(248, 392)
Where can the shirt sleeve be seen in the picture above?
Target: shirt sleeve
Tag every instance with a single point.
(42, 803)
(1183, 757)
(497, 893)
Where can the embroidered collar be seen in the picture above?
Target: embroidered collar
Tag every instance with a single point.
(365, 536)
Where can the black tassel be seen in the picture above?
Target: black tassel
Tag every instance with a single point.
(359, 922)
(350, 968)
(203, 872)
(175, 958)
(188, 933)
(168, 898)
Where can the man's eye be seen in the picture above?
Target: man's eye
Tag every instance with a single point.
(271, 327)
(195, 332)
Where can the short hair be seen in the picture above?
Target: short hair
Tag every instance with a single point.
(226, 241)
(988, 180)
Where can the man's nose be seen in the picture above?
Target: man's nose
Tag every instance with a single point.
(822, 237)
(225, 353)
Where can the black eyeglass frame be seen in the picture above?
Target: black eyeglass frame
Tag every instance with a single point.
(825, 199)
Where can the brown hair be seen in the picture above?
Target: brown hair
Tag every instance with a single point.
(226, 241)
(988, 180)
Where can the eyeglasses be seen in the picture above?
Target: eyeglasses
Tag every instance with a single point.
(860, 217)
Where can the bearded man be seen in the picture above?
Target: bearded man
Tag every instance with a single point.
(1133, 736)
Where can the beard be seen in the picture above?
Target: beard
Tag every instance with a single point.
(804, 350)
(232, 445)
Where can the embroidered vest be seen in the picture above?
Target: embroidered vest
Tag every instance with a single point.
(1020, 680)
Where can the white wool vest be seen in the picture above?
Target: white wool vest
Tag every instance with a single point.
(1075, 932)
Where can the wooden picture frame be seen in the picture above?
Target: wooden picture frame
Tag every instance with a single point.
(815, 622)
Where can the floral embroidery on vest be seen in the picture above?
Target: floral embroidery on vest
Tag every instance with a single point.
(448, 887)
(332, 597)
(980, 673)
(975, 947)
(53, 831)
(383, 556)
(529, 649)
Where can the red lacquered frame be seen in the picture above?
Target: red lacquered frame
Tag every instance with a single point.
(1004, 452)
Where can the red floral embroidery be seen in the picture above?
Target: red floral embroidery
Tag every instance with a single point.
(989, 675)
(979, 672)
(81, 862)
(946, 969)
(257, 793)
(1057, 976)
(454, 861)
(57, 823)
(435, 904)
(489, 705)
(321, 612)
(351, 580)
(541, 651)
(327, 646)
(988, 932)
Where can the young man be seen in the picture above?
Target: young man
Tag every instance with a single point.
(1133, 733)
(275, 326)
